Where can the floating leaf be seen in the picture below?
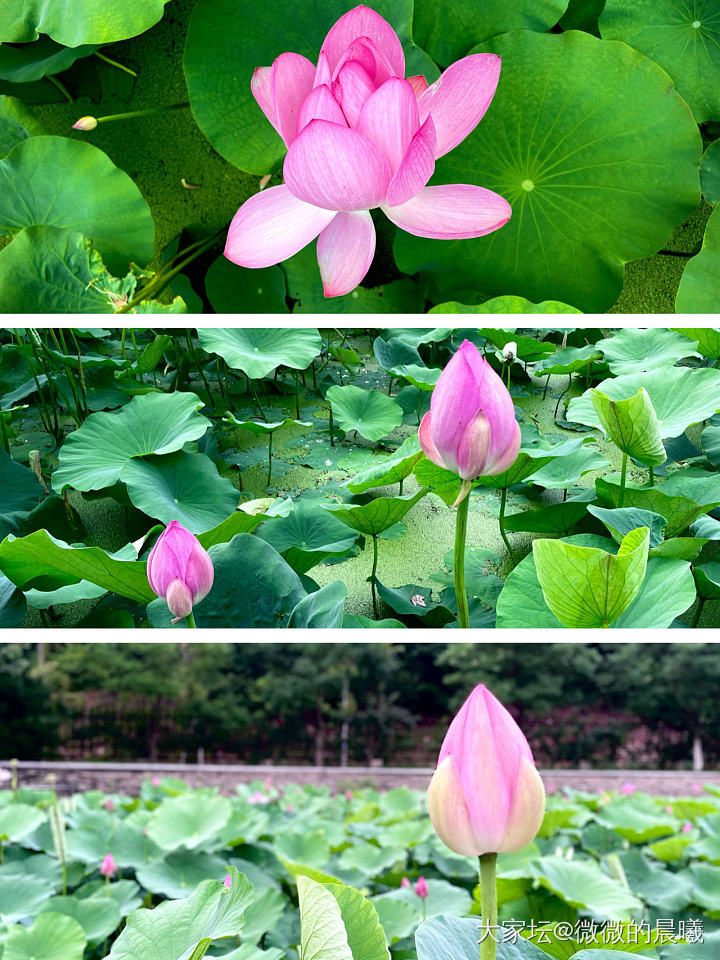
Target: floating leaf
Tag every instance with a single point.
(188, 821)
(376, 516)
(393, 470)
(583, 884)
(632, 350)
(505, 305)
(94, 455)
(373, 414)
(308, 536)
(114, 213)
(52, 936)
(78, 21)
(234, 289)
(258, 352)
(631, 425)
(568, 361)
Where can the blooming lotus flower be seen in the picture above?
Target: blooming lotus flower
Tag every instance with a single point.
(360, 136)
(108, 867)
(470, 427)
(486, 795)
(421, 888)
(180, 570)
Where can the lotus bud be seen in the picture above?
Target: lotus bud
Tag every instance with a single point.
(421, 888)
(509, 351)
(109, 805)
(405, 883)
(156, 781)
(108, 868)
(627, 789)
(470, 427)
(180, 570)
(85, 123)
(687, 827)
(228, 881)
(486, 795)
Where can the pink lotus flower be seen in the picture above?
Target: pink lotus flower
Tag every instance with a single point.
(108, 867)
(257, 797)
(228, 881)
(486, 795)
(360, 136)
(180, 570)
(628, 789)
(405, 882)
(470, 427)
(687, 827)
(421, 888)
(156, 781)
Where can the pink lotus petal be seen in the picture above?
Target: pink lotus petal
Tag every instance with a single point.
(472, 451)
(428, 444)
(323, 73)
(390, 118)
(416, 168)
(352, 87)
(454, 211)
(262, 90)
(363, 22)
(371, 59)
(459, 98)
(345, 250)
(272, 226)
(419, 85)
(507, 457)
(292, 81)
(320, 105)
(336, 168)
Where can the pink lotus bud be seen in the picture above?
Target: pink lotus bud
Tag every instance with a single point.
(257, 797)
(697, 788)
(627, 789)
(268, 784)
(486, 795)
(85, 123)
(180, 570)
(687, 827)
(109, 805)
(290, 808)
(470, 427)
(156, 781)
(348, 795)
(668, 809)
(421, 888)
(228, 881)
(108, 867)
(405, 882)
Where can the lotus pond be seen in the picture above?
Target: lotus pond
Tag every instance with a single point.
(255, 875)
(144, 128)
(293, 456)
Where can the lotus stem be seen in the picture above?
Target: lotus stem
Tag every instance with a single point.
(698, 612)
(332, 438)
(61, 87)
(270, 445)
(501, 521)
(557, 405)
(297, 395)
(190, 621)
(419, 405)
(89, 123)
(114, 63)
(137, 354)
(6, 440)
(547, 381)
(372, 577)
(198, 365)
(488, 892)
(459, 562)
(623, 476)
(652, 476)
(401, 487)
(253, 387)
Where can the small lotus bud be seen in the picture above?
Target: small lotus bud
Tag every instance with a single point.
(180, 570)
(405, 883)
(109, 805)
(108, 867)
(156, 781)
(687, 827)
(228, 881)
(486, 795)
(348, 795)
(627, 789)
(421, 888)
(85, 123)
(509, 351)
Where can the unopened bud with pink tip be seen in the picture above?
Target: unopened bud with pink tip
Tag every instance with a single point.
(180, 570)
(85, 123)
(470, 427)
(486, 795)
(421, 888)
(228, 881)
(108, 867)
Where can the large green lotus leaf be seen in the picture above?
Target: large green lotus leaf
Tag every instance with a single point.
(258, 352)
(707, 338)
(366, 937)
(180, 486)
(234, 289)
(264, 596)
(308, 536)
(322, 609)
(114, 214)
(706, 528)
(631, 425)
(259, 428)
(528, 349)
(51, 937)
(179, 873)
(17, 820)
(447, 29)
(678, 510)
(598, 158)
(583, 884)
(41, 561)
(565, 471)
(633, 350)
(13, 605)
(456, 938)
(505, 305)
(658, 886)
(188, 821)
(97, 917)
(77, 22)
(401, 359)
(680, 397)
(21, 896)
(184, 929)
(322, 932)
(228, 39)
(555, 518)
(17, 121)
(393, 470)
(707, 579)
(376, 516)
(372, 413)
(586, 587)
(93, 456)
(638, 820)
(701, 485)
(621, 521)
(667, 591)
(707, 950)
(21, 493)
(32, 61)
(710, 173)
(699, 290)
(52, 270)
(682, 37)
(568, 361)
(706, 885)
